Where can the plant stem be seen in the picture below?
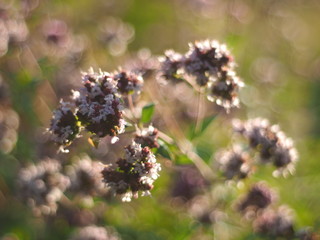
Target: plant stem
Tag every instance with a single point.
(131, 107)
(199, 112)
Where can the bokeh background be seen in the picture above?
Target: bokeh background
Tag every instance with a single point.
(45, 44)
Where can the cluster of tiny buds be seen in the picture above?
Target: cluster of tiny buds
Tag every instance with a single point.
(64, 126)
(147, 137)
(85, 176)
(96, 107)
(259, 197)
(128, 83)
(276, 223)
(42, 186)
(136, 171)
(9, 124)
(269, 220)
(271, 143)
(95, 233)
(99, 107)
(234, 163)
(210, 64)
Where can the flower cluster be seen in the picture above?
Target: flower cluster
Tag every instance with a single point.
(42, 186)
(171, 63)
(204, 209)
(95, 233)
(59, 41)
(147, 137)
(135, 172)
(99, 107)
(271, 143)
(9, 123)
(211, 66)
(268, 220)
(128, 83)
(96, 107)
(64, 125)
(85, 176)
(259, 197)
(143, 63)
(13, 28)
(275, 223)
(188, 183)
(116, 35)
(234, 163)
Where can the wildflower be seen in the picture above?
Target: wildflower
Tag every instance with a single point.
(206, 59)
(59, 41)
(170, 66)
(135, 172)
(95, 233)
(116, 35)
(56, 33)
(204, 209)
(42, 186)
(275, 223)
(128, 83)
(64, 125)
(210, 64)
(224, 89)
(271, 143)
(143, 63)
(99, 107)
(85, 176)
(188, 182)
(13, 28)
(307, 234)
(9, 123)
(234, 163)
(259, 197)
(147, 137)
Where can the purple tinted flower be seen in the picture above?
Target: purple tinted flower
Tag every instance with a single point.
(234, 163)
(147, 137)
(99, 107)
(64, 125)
(128, 82)
(135, 172)
(42, 186)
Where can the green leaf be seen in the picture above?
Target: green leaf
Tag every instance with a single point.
(147, 113)
(205, 150)
(182, 159)
(164, 150)
(204, 125)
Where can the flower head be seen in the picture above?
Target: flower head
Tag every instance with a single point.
(206, 59)
(136, 171)
(42, 186)
(128, 82)
(171, 63)
(259, 197)
(275, 223)
(223, 90)
(9, 123)
(271, 143)
(99, 107)
(64, 124)
(211, 66)
(85, 176)
(234, 163)
(147, 137)
(94, 233)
